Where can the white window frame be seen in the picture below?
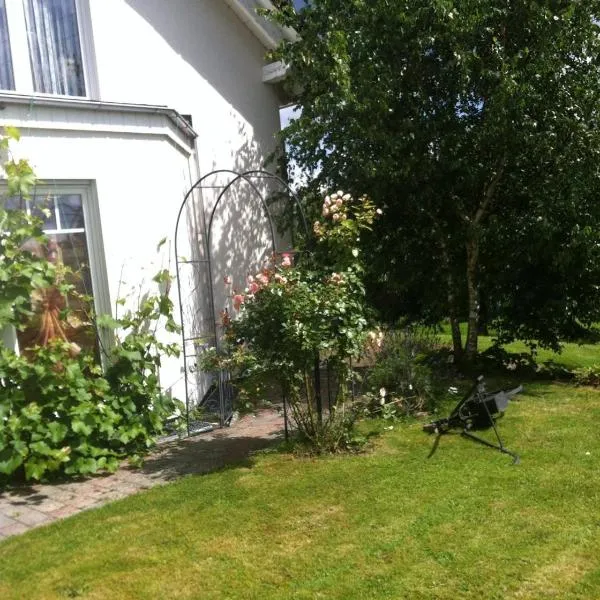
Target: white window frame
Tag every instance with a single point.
(19, 47)
(95, 247)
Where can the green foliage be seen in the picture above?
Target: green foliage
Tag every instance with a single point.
(474, 124)
(292, 317)
(588, 375)
(60, 413)
(402, 381)
(20, 270)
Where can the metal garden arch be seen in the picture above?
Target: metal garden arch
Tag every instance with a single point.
(210, 393)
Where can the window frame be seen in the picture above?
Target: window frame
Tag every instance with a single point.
(94, 242)
(19, 47)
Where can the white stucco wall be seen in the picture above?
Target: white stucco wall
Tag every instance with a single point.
(136, 176)
(197, 57)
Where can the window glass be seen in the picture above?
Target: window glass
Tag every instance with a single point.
(71, 211)
(54, 47)
(7, 81)
(43, 207)
(62, 215)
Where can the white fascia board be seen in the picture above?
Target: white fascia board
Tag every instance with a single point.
(250, 19)
(83, 115)
(7, 98)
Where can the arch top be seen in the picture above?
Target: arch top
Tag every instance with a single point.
(201, 240)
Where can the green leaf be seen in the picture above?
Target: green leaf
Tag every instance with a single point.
(12, 132)
(57, 432)
(80, 427)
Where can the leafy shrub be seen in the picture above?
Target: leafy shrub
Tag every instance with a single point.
(290, 318)
(402, 382)
(61, 414)
(588, 376)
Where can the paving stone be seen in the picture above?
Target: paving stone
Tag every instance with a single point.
(5, 521)
(15, 529)
(31, 517)
(84, 501)
(65, 511)
(50, 506)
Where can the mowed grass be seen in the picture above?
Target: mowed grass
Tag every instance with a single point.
(571, 356)
(391, 523)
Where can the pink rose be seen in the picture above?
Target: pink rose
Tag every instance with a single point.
(253, 288)
(286, 261)
(238, 300)
(262, 279)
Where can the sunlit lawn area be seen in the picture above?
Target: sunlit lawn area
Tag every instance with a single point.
(571, 356)
(387, 524)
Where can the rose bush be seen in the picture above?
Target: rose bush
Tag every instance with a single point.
(300, 310)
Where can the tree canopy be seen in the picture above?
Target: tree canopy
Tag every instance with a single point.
(475, 124)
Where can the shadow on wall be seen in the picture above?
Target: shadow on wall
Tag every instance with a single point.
(219, 47)
(227, 218)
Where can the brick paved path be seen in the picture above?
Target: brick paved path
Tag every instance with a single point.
(23, 508)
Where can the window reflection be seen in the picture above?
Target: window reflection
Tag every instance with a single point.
(56, 316)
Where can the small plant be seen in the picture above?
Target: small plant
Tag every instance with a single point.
(588, 376)
(401, 381)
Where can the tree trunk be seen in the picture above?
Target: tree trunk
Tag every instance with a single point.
(453, 312)
(473, 298)
(454, 321)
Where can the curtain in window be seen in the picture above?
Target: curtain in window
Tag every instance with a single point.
(7, 81)
(54, 47)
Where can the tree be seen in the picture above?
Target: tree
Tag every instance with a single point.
(475, 123)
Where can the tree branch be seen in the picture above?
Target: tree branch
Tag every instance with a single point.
(489, 191)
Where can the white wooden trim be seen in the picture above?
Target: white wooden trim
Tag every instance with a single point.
(91, 108)
(19, 46)
(88, 53)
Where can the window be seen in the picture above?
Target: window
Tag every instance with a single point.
(71, 242)
(43, 47)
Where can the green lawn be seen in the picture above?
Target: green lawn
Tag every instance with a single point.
(388, 524)
(571, 356)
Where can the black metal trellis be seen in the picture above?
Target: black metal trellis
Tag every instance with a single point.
(211, 393)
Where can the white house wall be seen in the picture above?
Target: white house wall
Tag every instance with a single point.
(197, 57)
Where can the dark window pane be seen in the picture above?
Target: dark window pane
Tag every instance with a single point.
(7, 81)
(14, 203)
(70, 211)
(42, 207)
